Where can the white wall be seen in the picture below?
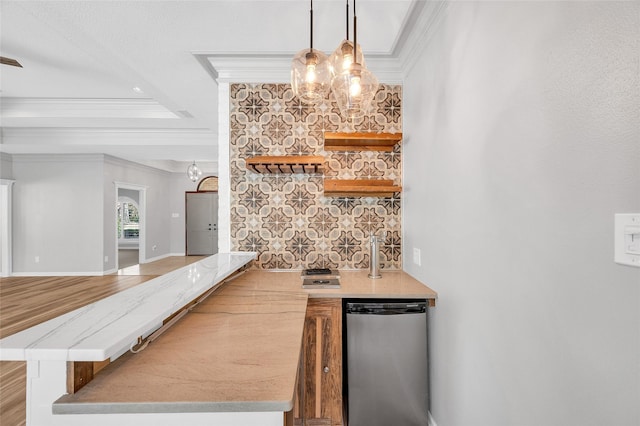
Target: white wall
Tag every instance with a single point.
(522, 140)
(6, 167)
(65, 211)
(179, 185)
(57, 214)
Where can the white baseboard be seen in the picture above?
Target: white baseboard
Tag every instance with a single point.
(76, 273)
(153, 259)
(58, 274)
(88, 273)
(432, 422)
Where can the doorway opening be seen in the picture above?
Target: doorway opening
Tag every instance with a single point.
(130, 225)
(128, 228)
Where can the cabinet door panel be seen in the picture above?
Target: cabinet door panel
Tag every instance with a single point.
(322, 348)
(309, 369)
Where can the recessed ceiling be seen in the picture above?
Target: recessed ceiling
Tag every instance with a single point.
(82, 60)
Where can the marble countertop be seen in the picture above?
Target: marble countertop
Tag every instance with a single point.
(107, 328)
(236, 351)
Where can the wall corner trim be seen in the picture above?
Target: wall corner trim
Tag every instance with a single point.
(432, 422)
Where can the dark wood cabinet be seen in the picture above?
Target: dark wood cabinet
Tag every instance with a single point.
(319, 391)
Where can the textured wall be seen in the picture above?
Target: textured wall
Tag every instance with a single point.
(286, 218)
(527, 117)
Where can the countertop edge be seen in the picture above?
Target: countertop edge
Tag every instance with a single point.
(61, 407)
(33, 344)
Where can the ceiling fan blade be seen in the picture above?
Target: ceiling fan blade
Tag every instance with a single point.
(9, 61)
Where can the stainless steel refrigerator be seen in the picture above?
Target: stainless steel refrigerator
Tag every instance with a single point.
(386, 379)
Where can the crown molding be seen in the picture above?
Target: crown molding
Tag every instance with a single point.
(427, 22)
(165, 167)
(276, 67)
(83, 108)
(389, 67)
(101, 136)
(180, 167)
(247, 67)
(157, 148)
(56, 158)
(121, 162)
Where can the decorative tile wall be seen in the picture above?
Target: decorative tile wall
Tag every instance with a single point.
(285, 217)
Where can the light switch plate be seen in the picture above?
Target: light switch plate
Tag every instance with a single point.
(627, 239)
(416, 256)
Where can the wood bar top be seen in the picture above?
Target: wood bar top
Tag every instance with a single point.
(236, 351)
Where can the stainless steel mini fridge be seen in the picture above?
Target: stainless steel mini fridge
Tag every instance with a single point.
(387, 366)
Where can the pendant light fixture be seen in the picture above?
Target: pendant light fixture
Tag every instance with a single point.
(310, 75)
(353, 85)
(193, 172)
(342, 58)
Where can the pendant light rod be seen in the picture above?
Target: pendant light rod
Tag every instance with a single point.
(355, 34)
(347, 19)
(311, 27)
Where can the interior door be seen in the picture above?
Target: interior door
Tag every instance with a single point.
(202, 223)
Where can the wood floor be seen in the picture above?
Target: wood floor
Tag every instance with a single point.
(128, 257)
(27, 301)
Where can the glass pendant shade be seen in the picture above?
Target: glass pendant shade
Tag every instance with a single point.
(310, 75)
(342, 58)
(193, 172)
(354, 91)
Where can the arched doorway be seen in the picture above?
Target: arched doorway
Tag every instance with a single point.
(128, 224)
(201, 226)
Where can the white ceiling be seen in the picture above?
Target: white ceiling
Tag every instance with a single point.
(82, 60)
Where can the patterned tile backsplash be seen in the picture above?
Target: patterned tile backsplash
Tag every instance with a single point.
(285, 217)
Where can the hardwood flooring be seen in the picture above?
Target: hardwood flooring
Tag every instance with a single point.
(161, 266)
(27, 301)
(128, 257)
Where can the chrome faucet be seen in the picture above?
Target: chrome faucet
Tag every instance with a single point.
(374, 253)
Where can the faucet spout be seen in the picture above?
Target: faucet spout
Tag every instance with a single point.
(374, 253)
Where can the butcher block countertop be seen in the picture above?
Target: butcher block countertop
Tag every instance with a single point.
(238, 350)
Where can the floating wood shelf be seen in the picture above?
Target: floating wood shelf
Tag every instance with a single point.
(361, 141)
(286, 164)
(360, 188)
